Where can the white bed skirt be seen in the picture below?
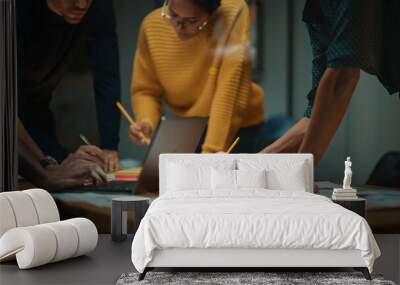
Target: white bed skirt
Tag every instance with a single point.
(178, 257)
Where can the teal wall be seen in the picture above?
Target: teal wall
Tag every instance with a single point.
(369, 129)
(129, 16)
(275, 57)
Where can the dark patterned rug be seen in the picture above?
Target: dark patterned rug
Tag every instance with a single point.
(243, 278)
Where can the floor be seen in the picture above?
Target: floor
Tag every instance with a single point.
(388, 264)
(95, 268)
(110, 259)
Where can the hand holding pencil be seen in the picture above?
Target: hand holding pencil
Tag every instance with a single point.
(139, 133)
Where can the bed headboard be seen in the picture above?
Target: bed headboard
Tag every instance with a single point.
(165, 158)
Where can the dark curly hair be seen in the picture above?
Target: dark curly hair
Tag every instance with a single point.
(208, 5)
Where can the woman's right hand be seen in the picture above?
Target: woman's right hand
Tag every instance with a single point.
(140, 133)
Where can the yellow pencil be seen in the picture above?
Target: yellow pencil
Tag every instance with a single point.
(233, 145)
(130, 120)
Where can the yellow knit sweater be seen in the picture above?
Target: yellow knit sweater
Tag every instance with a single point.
(208, 75)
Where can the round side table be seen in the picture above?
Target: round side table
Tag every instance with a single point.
(119, 212)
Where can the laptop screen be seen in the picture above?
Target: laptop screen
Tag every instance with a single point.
(173, 135)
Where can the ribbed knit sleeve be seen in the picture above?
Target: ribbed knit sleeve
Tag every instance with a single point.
(146, 90)
(232, 93)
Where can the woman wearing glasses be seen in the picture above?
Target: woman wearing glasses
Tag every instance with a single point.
(194, 55)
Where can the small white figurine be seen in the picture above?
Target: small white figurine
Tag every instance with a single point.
(348, 173)
(346, 192)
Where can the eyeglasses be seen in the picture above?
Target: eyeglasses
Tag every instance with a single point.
(190, 25)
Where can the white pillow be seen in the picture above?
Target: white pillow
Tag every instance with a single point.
(189, 174)
(216, 162)
(281, 174)
(181, 177)
(251, 179)
(290, 179)
(237, 179)
(223, 179)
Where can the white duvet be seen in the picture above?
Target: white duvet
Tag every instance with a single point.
(250, 219)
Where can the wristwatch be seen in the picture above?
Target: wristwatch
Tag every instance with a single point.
(48, 160)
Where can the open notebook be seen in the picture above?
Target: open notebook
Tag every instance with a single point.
(129, 174)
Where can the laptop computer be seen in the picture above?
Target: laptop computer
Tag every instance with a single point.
(173, 135)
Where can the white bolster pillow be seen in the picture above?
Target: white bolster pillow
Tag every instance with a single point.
(23, 209)
(67, 240)
(87, 235)
(7, 219)
(37, 245)
(26, 208)
(45, 206)
(33, 246)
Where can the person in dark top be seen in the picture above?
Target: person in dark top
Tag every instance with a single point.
(49, 34)
(346, 36)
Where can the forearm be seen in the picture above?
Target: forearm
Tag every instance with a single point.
(25, 139)
(229, 104)
(107, 93)
(108, 120)
(225, 119)
(333, 96)
(290, 142)
(147, 108)
(146, 90)
(219, 136)
(30, 168)
(104, 57)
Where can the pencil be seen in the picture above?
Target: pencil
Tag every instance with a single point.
(233, 145)
(126, 115)
(84, 139)
(130, 120)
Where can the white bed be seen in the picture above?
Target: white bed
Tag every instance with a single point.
(201, 226)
